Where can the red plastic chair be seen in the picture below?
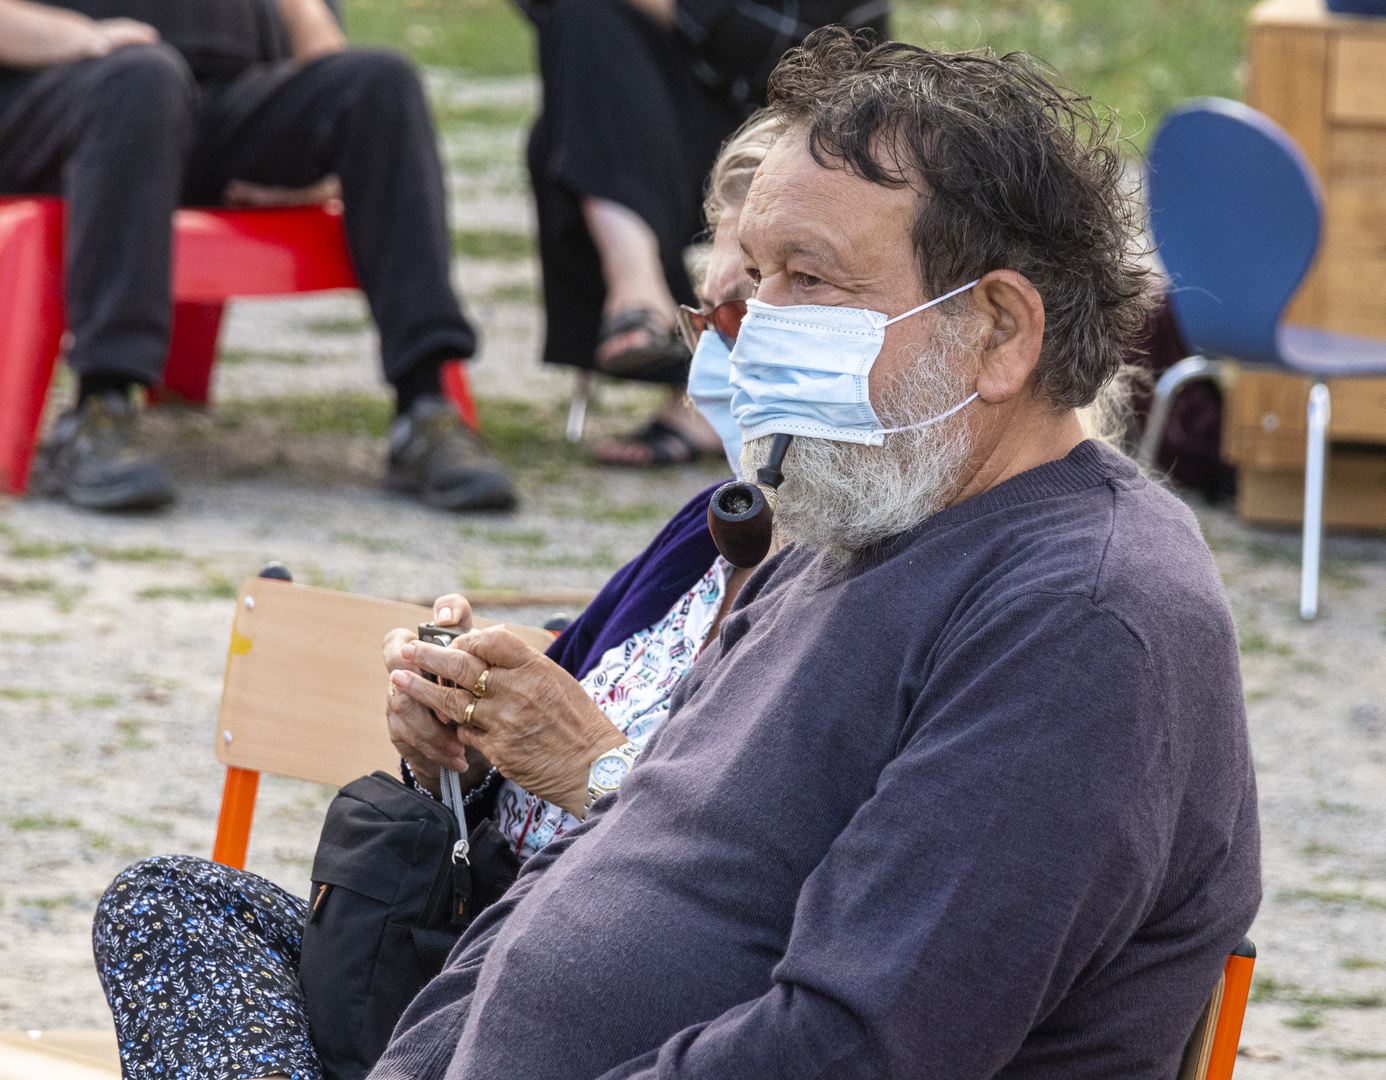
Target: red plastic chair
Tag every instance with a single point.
(218, 254)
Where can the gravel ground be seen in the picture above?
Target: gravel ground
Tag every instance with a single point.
(113, 630)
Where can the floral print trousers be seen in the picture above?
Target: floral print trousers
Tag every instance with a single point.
(200, 964)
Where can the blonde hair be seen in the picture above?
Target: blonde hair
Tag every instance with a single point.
(737, 162)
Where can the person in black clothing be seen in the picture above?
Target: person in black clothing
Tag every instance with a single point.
(128, 108)
(638, 97)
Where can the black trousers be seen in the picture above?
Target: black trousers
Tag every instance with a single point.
(128, 137)
(624, 119)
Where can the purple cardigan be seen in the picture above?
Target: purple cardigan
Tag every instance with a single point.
(641, 592)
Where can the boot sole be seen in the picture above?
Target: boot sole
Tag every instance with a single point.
(140, 494)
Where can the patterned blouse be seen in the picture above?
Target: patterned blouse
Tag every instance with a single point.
(632, 683)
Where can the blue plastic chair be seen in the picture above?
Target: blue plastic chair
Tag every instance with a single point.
(1235, 209)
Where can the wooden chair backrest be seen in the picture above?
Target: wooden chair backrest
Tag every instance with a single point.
(305, 684)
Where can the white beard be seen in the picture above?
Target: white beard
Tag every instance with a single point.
(841, 497)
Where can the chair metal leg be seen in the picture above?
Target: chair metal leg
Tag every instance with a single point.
(577, 407)
(1315, 470)
(1188, 369)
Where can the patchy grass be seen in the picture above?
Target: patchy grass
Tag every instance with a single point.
(516, 292)
(350, 413)
(146, 823)
(499, 245)
(51, 903)
(529, 436)
(340, 325)
(1258, 641)
(211, 587)
(488, 37)
(1359, 963)
(601, 559)
(1353, 898)
(131, 730)
(64, 596)
(1139, 59)
(1307, 1021)
(1347, 1055)
(49, 638)
(315, 576)
(1374, 999)
(44, 822)
(82, 702)
(1351, 809)
(450, 114)
(373, 544)
(1315, 848)
(23, 693)
(521, 538)
(598, 511)
(237, 357)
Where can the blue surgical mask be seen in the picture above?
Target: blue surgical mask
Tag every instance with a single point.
(802, 369)
(709, 385)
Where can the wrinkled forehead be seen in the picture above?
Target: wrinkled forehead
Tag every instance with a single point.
(796, 204)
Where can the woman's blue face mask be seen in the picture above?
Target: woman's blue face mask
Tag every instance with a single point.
(803, 369)
(709, 385)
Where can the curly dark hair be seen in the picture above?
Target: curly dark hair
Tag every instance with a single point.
(1014, 173)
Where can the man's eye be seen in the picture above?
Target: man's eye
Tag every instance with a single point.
(809, 281)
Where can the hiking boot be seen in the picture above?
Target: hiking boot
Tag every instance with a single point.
(437, 457)
(92, 460)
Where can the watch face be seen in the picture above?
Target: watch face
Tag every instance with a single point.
(608, 771)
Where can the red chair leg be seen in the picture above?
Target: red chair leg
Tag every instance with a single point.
(458, 389)
(192, 349)
(31, 327)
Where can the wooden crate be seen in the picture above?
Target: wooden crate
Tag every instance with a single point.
(1264, 433)
(1323, 78)
(1355, 499)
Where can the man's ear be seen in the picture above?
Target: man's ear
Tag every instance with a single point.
(1014, 313)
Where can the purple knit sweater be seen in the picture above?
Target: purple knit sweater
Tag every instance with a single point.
(981, 806)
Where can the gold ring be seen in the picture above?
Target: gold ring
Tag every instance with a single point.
(467, 715)
(479, 690)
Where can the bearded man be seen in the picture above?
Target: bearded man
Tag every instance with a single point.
(962, 788)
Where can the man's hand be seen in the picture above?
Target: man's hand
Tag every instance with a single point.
(37, 35)
(312, 29)
(427, 744)
(534, 720)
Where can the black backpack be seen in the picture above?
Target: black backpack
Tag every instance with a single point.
(393, 889)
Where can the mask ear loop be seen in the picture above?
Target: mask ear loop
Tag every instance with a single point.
(960, 405)
(933, 419)
(931, 303)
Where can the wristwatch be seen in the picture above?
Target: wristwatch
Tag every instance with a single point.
(608, 771)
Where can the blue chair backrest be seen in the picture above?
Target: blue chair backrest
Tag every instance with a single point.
(1234, 209)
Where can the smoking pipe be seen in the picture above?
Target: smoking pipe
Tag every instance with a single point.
(741, 514)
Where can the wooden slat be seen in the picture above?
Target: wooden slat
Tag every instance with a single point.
(58, 1055)
(305, 685)
(1265, 423)
(1355, 497)
(1287, 76)
(1357, 87)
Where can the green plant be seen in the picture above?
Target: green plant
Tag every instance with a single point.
(1307, 1020)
